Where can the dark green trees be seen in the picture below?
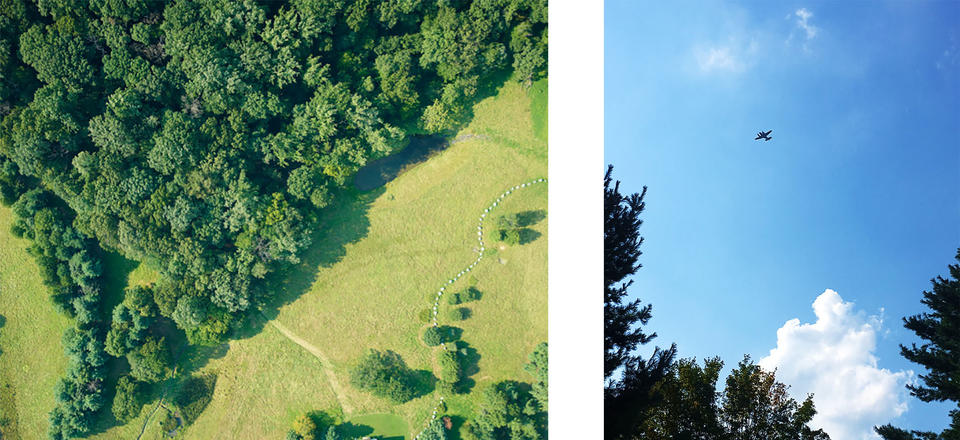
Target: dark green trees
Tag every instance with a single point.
(384, 374)
(128, 400)
(506, 411)
(939, 354)
(752, 405)
(627, 399)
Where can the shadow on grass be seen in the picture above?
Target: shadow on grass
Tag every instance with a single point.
(346, 222)
(469, 366)
(352, 430)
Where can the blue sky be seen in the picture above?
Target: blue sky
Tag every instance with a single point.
(858, 192)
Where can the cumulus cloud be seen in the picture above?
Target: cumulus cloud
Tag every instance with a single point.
(833, 359)
(803, 21)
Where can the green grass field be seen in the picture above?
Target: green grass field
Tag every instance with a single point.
(377, 261)
(32, 360)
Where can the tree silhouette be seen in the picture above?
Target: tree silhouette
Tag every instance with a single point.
(627, 397)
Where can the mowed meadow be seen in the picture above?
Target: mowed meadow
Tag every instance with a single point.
(376, 263)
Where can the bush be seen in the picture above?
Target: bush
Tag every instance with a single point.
(510, 236)
(453, 298)
(426, 315)
(384, 374)
(212, 331)
(151, 362)
(306, 428)
(432, 336)
(457, 314)
(449, 364)
(471, 294)
(128, 400)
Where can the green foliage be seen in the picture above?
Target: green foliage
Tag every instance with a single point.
(538, 368)
(129, 399)
(505, 411)
(453, 298)
(213, 330)
(150, 362)
(449, 363)
(432, 336)
(305, 428)
(384, 374)
(193, 396)
(755, 405)
(425, 315)
(458, 314)
(470, 294)
(127, 331)
(434, 431)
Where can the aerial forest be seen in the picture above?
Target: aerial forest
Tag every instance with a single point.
(202, 138)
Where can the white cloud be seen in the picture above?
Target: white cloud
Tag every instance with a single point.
(718, 59)
(833, 359)
(804, 22)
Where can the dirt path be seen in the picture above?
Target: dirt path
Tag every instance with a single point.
(324, 361)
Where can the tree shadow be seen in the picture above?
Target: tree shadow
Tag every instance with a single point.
(528, 235)
(469, 366)
(378, 172)
(530, 218)
(353, 430)
(454, 432)
(344, 223)
(424, 382)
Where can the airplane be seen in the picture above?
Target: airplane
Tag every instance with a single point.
(765, 135)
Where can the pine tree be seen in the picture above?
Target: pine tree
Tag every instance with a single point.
(939, 354)
(626, 399)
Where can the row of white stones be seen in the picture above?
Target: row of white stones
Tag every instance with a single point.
(436, 302)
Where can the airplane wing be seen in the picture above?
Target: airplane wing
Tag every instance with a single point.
(768, 133)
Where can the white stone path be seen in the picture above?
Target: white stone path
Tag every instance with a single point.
(466, 270)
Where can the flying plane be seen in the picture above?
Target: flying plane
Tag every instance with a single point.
(765, 135)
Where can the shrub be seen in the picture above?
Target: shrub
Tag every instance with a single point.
(432, 336)
(457, 314)
(471, 294)
(306, 428)
(510, 236)
(151, 362)
(128, 400)
(449, 364)
(453, 298)
(425, 315)
(384, 374)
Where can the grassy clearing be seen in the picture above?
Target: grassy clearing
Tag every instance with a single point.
(381, 426)
(32, 360)
(538, 108)
(380, 259)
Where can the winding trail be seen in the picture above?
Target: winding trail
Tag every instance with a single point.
(324, 361)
